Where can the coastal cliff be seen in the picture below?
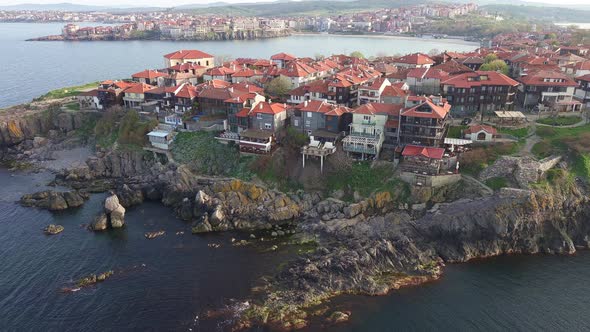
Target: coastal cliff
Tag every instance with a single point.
(375, 255)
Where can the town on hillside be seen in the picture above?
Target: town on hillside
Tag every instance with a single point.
(186, 25)
(419, 112)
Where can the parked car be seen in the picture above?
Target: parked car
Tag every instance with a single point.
(466, 121)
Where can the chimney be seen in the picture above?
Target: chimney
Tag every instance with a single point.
(231, 89)
(260, 106)
(305, 103)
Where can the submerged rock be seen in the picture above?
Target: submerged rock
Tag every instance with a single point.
(153, 235)
(53, 229)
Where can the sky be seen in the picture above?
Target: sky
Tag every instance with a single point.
(168, 3)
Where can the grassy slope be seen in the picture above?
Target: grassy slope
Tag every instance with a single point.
(66, 92)
(574, 142)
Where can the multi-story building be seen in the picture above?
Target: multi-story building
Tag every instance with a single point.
(546, 89)
(424, 124)
(480, 91)
(189, 56)
(371, 92)
(425, 80)
(583, 90)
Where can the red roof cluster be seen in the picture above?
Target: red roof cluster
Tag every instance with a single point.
(424, 151)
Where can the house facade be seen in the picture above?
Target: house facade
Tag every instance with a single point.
(480, 91)
(424, 124)
(189, 56)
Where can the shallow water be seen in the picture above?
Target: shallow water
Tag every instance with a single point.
(159, 284)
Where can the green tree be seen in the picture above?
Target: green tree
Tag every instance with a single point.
(357, 54)
(551, 36)
(279, 86)
(496, 65)
(490, 57)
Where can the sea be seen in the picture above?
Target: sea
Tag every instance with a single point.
(169, 283)
(30, 69)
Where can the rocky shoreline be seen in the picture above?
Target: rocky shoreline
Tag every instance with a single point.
(211, 36)
(370, 246)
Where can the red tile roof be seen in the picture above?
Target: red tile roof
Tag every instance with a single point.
(283, 56)
(268, 108)
(428, 73)
(479, 78)
(428, 109)
(187, 91)
(148, 74)
(478, 128)
(139, 88)
(415, 59)
(429, 152)
(188, 54)
(378, 109)
(538, 79)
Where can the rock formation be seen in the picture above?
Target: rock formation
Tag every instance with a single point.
(55, 200)
(53, 229)
(113, 215)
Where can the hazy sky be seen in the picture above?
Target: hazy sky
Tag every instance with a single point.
(168, 3)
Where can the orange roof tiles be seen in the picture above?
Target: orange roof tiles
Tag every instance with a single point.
(188, 54)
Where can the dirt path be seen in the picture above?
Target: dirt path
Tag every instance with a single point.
(530, 141)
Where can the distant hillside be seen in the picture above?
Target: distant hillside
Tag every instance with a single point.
(71, 7)
(553, 14)
(293, 8)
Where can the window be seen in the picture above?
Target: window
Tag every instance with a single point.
(308, 114)
(259, 116)
(267, 126)
(367, 118)
(296, 122)
(307, 123)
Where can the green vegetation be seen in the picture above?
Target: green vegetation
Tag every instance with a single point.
(496, 65)
(477, 25)
(357, 54)
(279, 86)
(474, 161)
(456, 131)
(544, 13)
(206, 155)
(497, 183)
(518, 133)
(560, 120)
(542, 150)
(573, 142)
(73, 106)
(124, 127)
(66, 92)
(366, 180)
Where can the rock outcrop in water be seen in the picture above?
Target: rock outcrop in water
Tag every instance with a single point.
(113, 215)
(55, 200)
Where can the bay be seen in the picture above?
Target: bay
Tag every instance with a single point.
(31, 69)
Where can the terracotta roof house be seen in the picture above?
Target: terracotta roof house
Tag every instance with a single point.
(423, 160)
(415, 60)
(453, 67)
(189, 56)
(281, 59)
(219, 73)
(426, 80)
(321, 119)
(582, 92)
(135, 95)
(547, 89)
(480, 91)
(151, 77)
(424, 124)
(370, 92)
(481, 133)
(473, 62)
